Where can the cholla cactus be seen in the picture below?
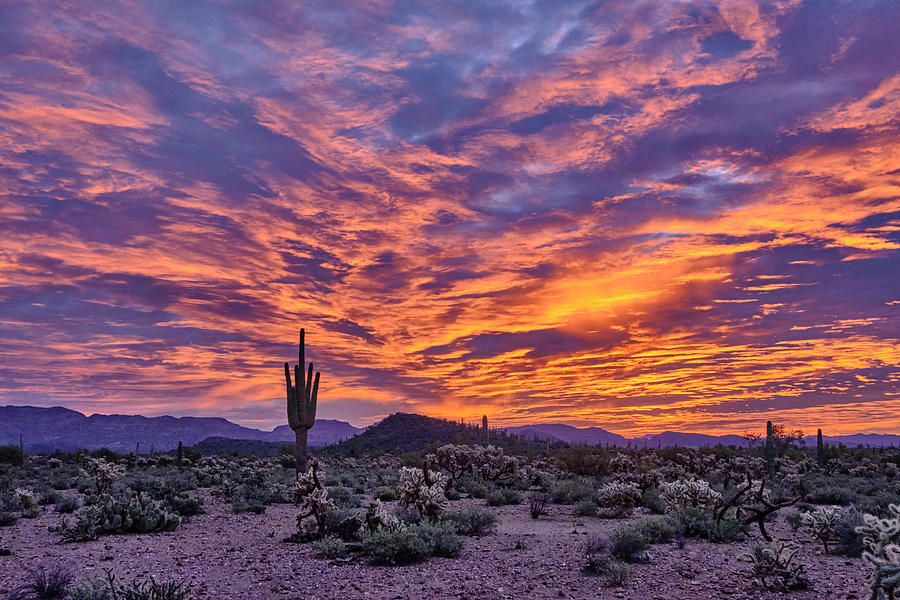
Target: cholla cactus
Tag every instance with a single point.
(104, 473)
(689, 492)
(773, 566)
(822, 524)
(865, 468)
(488, 462)
(494, 465)
(882, 540)
(621, 463)
(314, 502)
(25, 499)
(377, 517)
(422, 489)
(618, 499)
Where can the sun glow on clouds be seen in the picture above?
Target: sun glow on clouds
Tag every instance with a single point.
(646, 217)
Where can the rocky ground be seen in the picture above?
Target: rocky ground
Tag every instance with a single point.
(225, 555)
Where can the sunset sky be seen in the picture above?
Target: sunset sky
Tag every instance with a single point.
(642, 216)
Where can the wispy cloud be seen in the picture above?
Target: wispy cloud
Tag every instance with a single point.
(645, 216)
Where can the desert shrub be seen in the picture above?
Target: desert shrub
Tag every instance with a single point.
(10, 455)
(151, 589)
(8, 518)
(343, 497)
(90, 590)
(329, 546)
(693, 521)
(657, 529)
(652, 501)
(537, 503)
(387, 493)
(877, 504)
(569, 491)
(49, 496)
(44, 583)
(822, 524)
(617, 499)
(503, 497)
(185, 504)
(628, 543)
(586, 508)
(832, 495)
(600, 563)
(473, 521)
(794, 519)
(67, 504)
(440, 539)
(395, 546)
(849, 539)
(773, 566)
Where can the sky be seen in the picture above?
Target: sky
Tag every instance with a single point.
(644, 216)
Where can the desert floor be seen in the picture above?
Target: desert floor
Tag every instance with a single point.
(225, 555)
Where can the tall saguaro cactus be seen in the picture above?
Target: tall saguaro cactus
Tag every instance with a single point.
(770, 449)
(301, 404)
(820, 449)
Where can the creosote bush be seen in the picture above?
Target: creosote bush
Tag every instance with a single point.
(473, 521)
(404, 544)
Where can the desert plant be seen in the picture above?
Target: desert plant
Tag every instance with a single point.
(44, 583)
(689, 493)
(329, 546)
(600, 563)
(133, 513)
(772, 566)
(301, 404)
(473, 521)
(628, 543)
(822, 524)
(537, 503)
(67, 504)
(423, 489)
(657, 529)
(503, 497)
(617, 499)
(314, 502)
(407, 543)
(882, 540)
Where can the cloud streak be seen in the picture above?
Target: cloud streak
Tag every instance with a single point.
(643, 216)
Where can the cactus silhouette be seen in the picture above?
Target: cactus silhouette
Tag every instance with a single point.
(301, 404)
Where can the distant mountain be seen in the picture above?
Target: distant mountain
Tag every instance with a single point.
(687, 440)
(854, 440)
(60, 428)
(569, 434)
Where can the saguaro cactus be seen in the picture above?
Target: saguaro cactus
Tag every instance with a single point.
(820, 449)
(770, 449)
(179, 455)
(301, 404)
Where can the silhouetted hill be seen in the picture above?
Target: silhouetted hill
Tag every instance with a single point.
(403, 432)
(63, 429)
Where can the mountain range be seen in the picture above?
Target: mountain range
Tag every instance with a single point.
(60, 428)
(63, 429)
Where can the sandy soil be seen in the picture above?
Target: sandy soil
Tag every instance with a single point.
(243, 556)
